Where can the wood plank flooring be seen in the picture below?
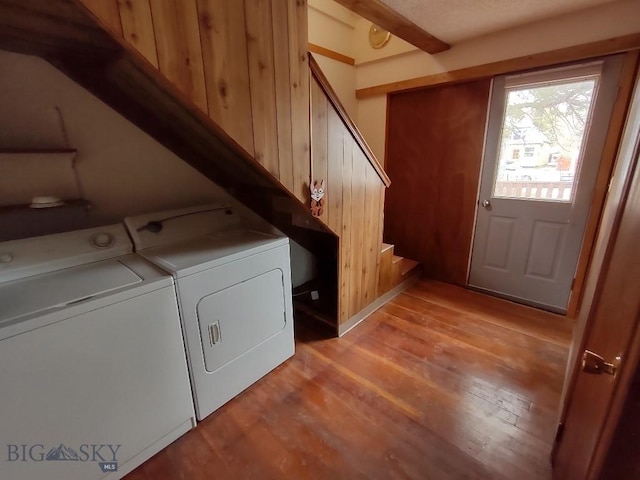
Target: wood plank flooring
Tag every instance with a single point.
(440, 383)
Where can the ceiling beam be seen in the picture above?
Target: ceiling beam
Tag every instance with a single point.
(573, 53)
(385, 17)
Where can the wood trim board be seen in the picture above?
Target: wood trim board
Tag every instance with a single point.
(614, 133)
(362, 315)
(326, 52)
(569, 54)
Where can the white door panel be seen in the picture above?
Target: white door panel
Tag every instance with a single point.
(545, 250)
(499, 242)
(534, 196)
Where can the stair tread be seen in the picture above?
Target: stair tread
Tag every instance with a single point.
(406, 265)
(396, 259)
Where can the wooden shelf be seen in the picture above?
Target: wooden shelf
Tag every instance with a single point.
(37, 151)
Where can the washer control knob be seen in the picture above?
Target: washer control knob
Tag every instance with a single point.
(5, 257)
(102, 240)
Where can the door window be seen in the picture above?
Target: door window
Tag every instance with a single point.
(542, 134)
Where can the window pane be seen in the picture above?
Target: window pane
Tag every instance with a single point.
(541, 140)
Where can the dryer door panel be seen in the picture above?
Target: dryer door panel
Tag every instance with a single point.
(238, 318)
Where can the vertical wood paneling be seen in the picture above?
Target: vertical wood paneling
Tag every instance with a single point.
(434, 150)
(107, 11)
(367, 240)
(299, 78)
(237, 62)
(335, 154)
(259, 28)
(346, 231)
(319, 142)
(371, 246)
(354, 202)
(358, 189)
(379, 236)
(226, 68)
(178, 46)
(281, 47)
(137, 27)
(372, 242)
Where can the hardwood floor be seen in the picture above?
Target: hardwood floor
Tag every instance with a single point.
(440, 383)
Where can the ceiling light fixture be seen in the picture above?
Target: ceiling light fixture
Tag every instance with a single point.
(378, 36)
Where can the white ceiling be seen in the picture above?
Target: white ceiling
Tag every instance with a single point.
(455, 20)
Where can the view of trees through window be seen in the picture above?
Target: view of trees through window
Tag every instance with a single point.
(542, 135)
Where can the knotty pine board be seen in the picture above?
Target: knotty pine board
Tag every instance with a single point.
(299, 78)
(259, 26)
(283, 93)
(226, 68)
(179, 50)
(137, 28)
(107, 11)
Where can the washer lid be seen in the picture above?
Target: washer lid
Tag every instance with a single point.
(193, 256)
(62, 287)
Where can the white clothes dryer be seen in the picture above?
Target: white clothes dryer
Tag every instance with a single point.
(93, 374)
(234, 292)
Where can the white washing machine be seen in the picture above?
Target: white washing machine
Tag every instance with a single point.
(234, 292)
(93, 374)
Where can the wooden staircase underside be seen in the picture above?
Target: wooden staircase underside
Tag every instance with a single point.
(166, 67)
(67, 35)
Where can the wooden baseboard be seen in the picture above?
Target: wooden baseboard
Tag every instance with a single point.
(376, 304)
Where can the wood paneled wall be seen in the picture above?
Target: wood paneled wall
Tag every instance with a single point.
(434, 150)
(354, 200)
(242, 62)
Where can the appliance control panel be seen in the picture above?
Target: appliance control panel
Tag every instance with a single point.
(174, 226)
(36, 255)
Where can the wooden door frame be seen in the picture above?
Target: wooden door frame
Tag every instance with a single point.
(610, 150)
(627, 371)
(611, 245)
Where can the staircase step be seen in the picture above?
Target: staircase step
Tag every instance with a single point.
(385, 275)
(408, 266)
(394, 269)
(386, 247)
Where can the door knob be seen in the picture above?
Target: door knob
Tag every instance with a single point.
(594, 363)
(486, 203)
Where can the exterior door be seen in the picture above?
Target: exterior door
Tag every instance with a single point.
(608, 323)
(543, 147)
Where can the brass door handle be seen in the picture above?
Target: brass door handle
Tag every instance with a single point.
(595, 364)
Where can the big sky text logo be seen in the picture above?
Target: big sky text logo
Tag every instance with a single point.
(105, 455)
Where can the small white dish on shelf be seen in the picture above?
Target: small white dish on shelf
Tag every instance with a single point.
(46, 202)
